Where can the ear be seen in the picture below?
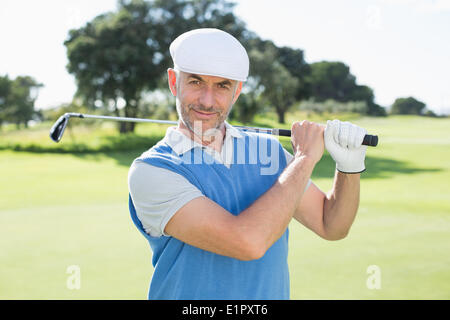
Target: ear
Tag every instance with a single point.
(172, 81)
(238, 92)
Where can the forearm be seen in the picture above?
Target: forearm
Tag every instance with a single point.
(268, 217)
(341, 205)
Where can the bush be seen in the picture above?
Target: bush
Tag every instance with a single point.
(430, 113)
(332, 106)
(407, 105)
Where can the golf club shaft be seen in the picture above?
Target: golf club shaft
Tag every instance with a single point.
(58, 128)
(125, 119)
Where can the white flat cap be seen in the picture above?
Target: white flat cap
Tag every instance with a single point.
(210, 52)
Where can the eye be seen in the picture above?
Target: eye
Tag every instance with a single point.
(194, 82)
(223, 85)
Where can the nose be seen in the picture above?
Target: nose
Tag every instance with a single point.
(207, 97)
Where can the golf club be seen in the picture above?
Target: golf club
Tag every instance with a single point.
(57, 130)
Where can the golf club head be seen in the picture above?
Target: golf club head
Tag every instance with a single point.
(57, 131)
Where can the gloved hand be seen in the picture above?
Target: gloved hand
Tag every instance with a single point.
(343, 140)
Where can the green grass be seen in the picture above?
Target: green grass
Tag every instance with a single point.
(62, 209)
(59, 210)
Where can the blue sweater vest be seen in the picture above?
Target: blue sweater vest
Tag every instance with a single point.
(182, 271)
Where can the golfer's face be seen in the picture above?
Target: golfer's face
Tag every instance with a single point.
(204, 102)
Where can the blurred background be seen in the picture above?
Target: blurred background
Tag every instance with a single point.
(65, 229)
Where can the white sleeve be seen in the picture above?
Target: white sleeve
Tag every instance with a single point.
(157, 195)
(289, 158)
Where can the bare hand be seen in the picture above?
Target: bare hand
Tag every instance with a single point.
(307, 140)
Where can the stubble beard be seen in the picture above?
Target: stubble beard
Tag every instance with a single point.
(196, 127)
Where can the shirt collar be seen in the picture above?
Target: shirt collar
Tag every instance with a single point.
(232, 131)
(180, 143)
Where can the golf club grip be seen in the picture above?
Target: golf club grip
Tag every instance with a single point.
(369, 140)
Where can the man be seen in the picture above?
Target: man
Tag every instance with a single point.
(214, 209)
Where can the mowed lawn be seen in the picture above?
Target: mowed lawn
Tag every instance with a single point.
(63, 210)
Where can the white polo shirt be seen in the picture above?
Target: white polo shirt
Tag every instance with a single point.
(159, 193)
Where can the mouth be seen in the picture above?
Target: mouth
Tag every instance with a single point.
(204, 115)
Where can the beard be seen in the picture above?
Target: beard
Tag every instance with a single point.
(197, 126)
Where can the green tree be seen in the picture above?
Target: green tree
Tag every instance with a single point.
(276, 83)
(294, 61)
(5, 105)
(24, 93)
(247, 106)
(113, 57)
(333, 80)
(365, 94)
(17, 98)
(407, 105)
(269, 67)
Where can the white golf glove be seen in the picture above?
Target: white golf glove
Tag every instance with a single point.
(343, 140)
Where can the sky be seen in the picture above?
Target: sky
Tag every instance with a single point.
(399, 48)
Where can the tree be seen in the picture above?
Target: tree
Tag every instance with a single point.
(333, 80)
(24, 94)
(407, 105)
(274, 71)
(366, 95)
(121, 55)
(113, 57)
(294, 61)
(277, 85)
(249, 102)
(5, 105)
(17, 98)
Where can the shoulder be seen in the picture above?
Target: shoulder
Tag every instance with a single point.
(160, 155)
(160, 149)
(143, 174)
